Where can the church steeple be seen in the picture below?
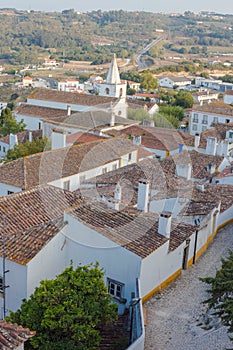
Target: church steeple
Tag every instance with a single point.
(113, 76)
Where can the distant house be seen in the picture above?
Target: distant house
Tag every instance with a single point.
(70, 86)
(133, 85)
(48, 62)
(205, 96)
(202, 117)
(174, 81)
(27, 81)
(228, 97)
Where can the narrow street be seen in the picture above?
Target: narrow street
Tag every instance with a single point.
(176, 317)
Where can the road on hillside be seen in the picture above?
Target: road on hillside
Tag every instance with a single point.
(176, 317)
(139, 59)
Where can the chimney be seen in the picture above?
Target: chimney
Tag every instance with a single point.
(197, 140)
(225, 148)
(219, 151)
(165, 221)
(211, 168)
(200, 187)
(113, 204)
(137, 140)
(112, 120)
(13, 140)
(184, 170)
(68, 110)
(211, 146)
(58, 138)
(143, 195)
(30, 136)
(117, 193)
(181, 147)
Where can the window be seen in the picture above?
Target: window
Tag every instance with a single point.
(10, 192)
(195, 118)
(194, 127)
(66, 185)
(107, 91)
(115, 288)
(104, 170)
(215, 120)
(4, 149)
(129, 156)
(227, 121)
(114, 167)
(0, 148)
(121, 92)
(205, 119)
(204, 128)
(39, 126)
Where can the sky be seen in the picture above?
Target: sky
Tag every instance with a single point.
(168, 6)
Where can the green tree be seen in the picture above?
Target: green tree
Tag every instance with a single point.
(184, 99)
(8, 123)
(148, 82)
(27, 148)
(175, 111)
(221, 292)
(67, 312)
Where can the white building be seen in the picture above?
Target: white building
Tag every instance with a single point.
(174, 81)
(202, 117)
(228, 97)
(70, 86)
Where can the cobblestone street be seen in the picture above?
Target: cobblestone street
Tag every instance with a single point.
(175, 317)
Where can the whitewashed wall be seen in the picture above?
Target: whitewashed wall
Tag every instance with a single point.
(4, 188)
(32, 122)
(16, 279)
(85, 246)
(159, 266)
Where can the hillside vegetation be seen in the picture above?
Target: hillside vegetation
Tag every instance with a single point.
(26, 37)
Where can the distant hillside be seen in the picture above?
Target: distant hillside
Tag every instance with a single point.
(27, 36)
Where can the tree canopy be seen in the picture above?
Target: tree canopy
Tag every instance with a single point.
(27, 148)
(8, 123)
(221, 292)
(67, 312)
(148, 82)
(184, 99)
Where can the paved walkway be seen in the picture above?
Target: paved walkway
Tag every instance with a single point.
(175, 316)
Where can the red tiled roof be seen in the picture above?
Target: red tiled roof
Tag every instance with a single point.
(24, 210)
(137, 233)
(155, 137)
(42, 168)
(70, 98)
(215, 108)
(24, 245)
(229, 92)
(12, 335)
(83, 137)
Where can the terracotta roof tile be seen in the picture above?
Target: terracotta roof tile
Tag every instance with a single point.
(137, 233)
(215, 108)
(48, 166)
(24, 245)
(70, 98)
(12, 335)
(24, 210)
(155, 137)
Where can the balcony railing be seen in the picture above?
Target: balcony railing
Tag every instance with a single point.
(204, 121)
